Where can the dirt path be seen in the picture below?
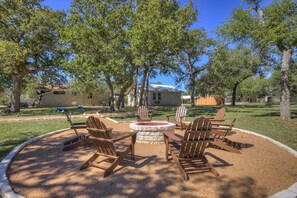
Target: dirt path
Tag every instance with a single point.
(46, 117)
(52, 117)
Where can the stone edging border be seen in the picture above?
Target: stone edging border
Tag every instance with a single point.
(5, 189)
(7, 192)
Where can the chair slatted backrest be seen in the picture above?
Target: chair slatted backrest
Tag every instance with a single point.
(220, 114)
(68, 116)
(234, 118)
(102, 141)
(96, 123)
(181, 111)
(142, 112)
(196, 138)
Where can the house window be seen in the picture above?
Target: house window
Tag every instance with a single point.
(154, 96)
(159, 96)
(59, 92)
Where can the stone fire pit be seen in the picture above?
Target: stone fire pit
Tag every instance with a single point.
(151, 132)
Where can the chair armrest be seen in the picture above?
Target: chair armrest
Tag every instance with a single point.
(224, 124)
(169, 115)
(78, 126)
(221, 128)
(172, 136)
(79, 123)
(216, 120)
(183, 116)
(124, 136)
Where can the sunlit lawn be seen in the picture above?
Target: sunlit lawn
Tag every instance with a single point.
(261, 118)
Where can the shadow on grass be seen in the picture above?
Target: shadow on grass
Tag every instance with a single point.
(275, 114)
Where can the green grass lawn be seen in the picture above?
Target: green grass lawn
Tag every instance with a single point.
(260, 118)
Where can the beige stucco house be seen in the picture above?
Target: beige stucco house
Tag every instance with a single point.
(63, 97)
(159, 95)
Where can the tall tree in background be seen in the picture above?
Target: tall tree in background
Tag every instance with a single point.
(254, 87)
(232, 67)
(97, 34)
(29, 42)
(193, 45)
(274, 26)
(156, 27)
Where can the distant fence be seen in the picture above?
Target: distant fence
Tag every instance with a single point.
(217, 100)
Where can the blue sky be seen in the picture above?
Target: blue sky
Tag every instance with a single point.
(212, 13)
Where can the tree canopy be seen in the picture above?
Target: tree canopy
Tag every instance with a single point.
(273, 26)
(29, 42)
(230, 67)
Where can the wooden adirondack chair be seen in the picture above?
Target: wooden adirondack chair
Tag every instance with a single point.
(188, 153)
(106, 147)
(79, 139)
(143, 114)
(96, 123)
(219, 132)
(180, 117)
(219, 117)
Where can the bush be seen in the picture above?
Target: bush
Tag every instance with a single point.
(4, 101)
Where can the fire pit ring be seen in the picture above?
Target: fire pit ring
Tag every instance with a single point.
(151, 132)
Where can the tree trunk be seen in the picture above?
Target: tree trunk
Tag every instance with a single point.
(135, 89)
(109, 84)
(123, 103)
(192, 86)
(142, 86)
(285, 110)
(234, 94)
(16, 94)
(147, 89)
(120, 100)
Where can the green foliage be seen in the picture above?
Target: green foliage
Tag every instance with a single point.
(231, 67)
(28, 36)
(117, 37)
(4, 100)
(193, 45)
(29, 41)
(97, 32)
(157, 27)
(87, 86)
(277, 26)
(254, 86)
